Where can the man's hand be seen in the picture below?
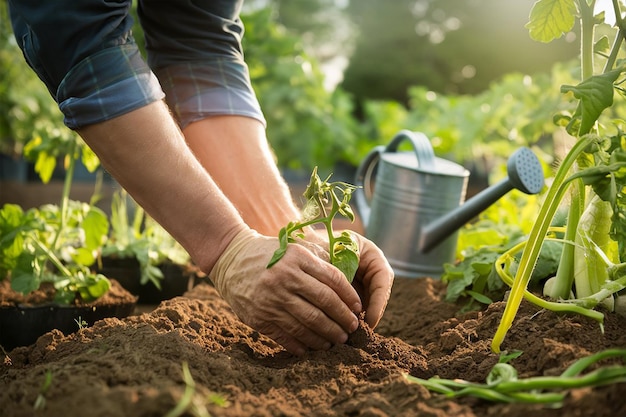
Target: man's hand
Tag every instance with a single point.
(373, 279)
(301, 302)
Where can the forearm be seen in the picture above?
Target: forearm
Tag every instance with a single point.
(235, 152)
(146, 153)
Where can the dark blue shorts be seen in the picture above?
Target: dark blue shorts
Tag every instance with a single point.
(83, 50)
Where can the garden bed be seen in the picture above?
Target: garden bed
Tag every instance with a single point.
(134, 366)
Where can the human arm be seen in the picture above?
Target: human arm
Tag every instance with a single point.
(264, 200)
(303, 304)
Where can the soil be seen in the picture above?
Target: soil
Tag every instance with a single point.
(45, 294)
(134, 366)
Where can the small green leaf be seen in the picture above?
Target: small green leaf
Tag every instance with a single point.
(595, 95)
(481, 298)
(346, 255)
(96, 287)
(24, 282)
(602, 45)
(44, 166)
(89, 159)
(506, 357)
(83, 256)
(96, 227)
(550, 19)
(347, 261)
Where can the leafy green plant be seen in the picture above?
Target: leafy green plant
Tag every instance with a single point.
(37, 246)
(593, 173)
(135, 235)
(503, 384)
(54, 243)
(324, 200)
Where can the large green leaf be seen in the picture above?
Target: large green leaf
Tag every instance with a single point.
(550, 19)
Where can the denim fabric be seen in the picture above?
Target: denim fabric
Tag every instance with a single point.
(84, 52)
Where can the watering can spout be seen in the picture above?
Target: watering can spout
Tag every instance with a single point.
(524, 173)
(417, 201)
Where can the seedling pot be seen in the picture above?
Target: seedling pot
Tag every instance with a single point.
(22, 325)
(128, 273)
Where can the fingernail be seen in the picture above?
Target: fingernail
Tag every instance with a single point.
(356, 307)
(354, 325)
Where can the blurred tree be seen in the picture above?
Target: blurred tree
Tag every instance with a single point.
(323, 28)
(307, 125)
(453, 46)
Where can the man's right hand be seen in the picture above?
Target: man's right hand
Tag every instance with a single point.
(300, 302)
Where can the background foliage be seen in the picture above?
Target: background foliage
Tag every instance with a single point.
(405, 58)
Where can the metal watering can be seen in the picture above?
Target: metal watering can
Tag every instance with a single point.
(414, 207)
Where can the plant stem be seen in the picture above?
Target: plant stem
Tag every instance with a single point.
(52, 258)
(535, 241)
(565, 272)
(587, 25)
(65, 197)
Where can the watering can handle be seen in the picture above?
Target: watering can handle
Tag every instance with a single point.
(364, 174)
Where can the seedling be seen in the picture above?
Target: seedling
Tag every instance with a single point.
(324, 200)
(191, 403)
(40, 401)
(136, 235)
(81, 323)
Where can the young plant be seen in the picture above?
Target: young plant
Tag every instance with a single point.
(324, 200)
(141, 238)
(593, 173)
(54, 244)
(191, 402)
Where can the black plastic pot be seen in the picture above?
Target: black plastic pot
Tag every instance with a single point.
(127, 272)
(22, 325)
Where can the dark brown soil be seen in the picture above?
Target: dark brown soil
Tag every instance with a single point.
(133, 367)
(45, 294)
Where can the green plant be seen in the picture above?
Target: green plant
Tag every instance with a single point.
(503, 385)
(141, 238)
(190, 402)
(324, 200)
(307, 125)
(593, 173)
(54, 243)
(37, 246)
(40, 401)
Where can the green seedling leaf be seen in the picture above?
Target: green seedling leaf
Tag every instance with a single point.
(506, 357)
(346, 255)
(595, 95)
(550, 19)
